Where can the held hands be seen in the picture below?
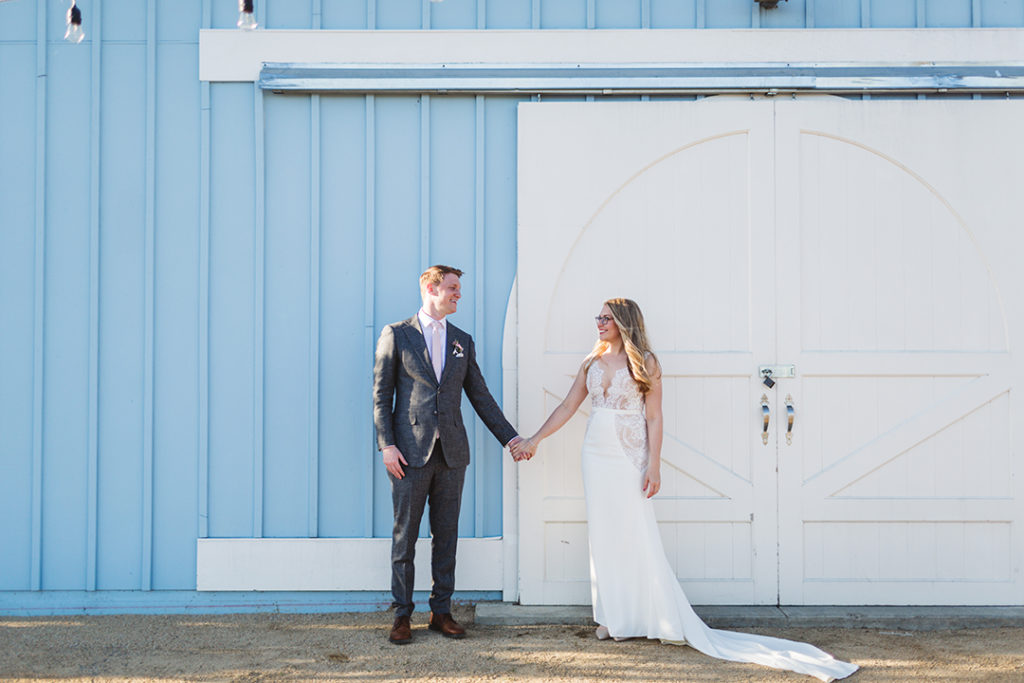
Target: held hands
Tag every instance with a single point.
(393, 461)
(652, 481)
(522, 449)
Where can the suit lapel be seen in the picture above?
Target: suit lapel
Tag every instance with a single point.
(414, 336)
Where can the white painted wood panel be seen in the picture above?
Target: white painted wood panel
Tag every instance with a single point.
(231, 55)
(661, 211)
(333, 564)
(897, 307)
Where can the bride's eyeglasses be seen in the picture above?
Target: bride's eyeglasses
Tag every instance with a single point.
(603, 319)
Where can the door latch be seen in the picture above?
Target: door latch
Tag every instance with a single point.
(769, 373)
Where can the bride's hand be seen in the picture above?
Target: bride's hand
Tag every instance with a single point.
(652, 482)
(523, 449)
(526, 448)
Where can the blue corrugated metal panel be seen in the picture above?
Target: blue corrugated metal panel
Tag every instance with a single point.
(793, 15)
(1002, 13)
(287, 323)
(396, 234)
(452, 14)
(892, 13)
(38, 297)
(343, 14)
(182, 330)
(370, 469)
(259, 311)
(290, 14)
(343, 488)
(837, 14)
(123, 20)
(676, 14)
(563, 14)
(509, 14)
(203, 305)
(177, 23)
(948, 14)
(618, 13)
(17, 278)
(92, 477)
(453, 238)
(19, 24)
(225, 14)
(730, 13)
(176, 320)
(480, 289)
(65, 321)
(122, 308)
(313, 312)
(232, 215)
(499, 219)
(149, 339)
(398, 14)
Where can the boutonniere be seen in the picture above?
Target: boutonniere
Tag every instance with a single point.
(457, 349)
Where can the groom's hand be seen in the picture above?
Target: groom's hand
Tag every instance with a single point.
(522, 449)
(514, 446)
(393, 461)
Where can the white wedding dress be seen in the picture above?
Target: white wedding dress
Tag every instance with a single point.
(634, 589)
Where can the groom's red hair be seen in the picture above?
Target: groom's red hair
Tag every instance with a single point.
(434, 274)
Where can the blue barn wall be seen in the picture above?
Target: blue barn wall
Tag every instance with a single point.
(192, 276)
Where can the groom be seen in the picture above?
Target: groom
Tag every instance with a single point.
(421, 368)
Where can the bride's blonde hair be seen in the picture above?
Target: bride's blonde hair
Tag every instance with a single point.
(630, 322)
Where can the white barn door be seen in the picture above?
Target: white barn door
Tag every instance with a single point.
(871, 246)
(664, 205)
(899, 245)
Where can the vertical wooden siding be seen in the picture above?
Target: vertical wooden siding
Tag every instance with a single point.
(192, 276)
(542, 14)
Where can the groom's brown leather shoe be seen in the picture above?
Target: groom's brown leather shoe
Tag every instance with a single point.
(448, 627)
(401, 632)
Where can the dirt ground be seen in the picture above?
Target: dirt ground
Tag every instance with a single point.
(354, 647)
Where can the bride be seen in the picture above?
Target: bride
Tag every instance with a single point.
(634, 589)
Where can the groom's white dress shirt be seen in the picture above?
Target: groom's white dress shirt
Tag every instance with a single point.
(427, 325)
(434, 346)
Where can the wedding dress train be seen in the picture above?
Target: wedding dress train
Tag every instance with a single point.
(634, 589)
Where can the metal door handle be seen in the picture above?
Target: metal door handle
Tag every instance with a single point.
(790, 414)
(766, 416)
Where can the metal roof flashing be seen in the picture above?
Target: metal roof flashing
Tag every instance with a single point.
(633, 79)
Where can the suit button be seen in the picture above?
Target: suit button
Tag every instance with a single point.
(435, 412)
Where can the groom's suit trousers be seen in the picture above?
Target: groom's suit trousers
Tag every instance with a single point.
(439, 486)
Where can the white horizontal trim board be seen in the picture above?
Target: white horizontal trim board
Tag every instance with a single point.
(231, 55)
(334, 564)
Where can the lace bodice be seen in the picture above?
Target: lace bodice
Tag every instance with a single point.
(622, 394)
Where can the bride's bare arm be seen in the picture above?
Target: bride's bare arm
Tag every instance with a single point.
(655, 422)
(565, 410)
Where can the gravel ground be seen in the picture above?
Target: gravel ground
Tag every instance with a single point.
(354, 647)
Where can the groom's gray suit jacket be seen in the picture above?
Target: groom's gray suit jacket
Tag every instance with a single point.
(410, 405)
